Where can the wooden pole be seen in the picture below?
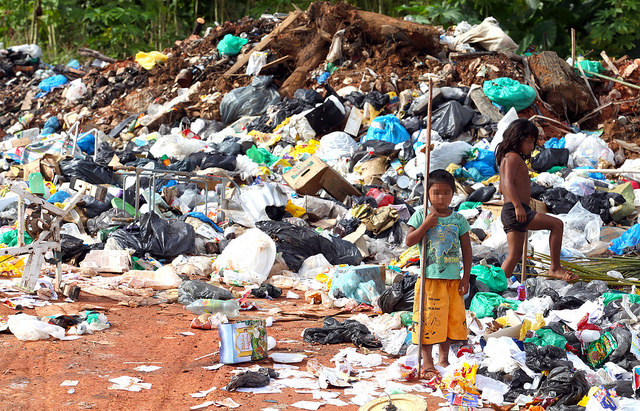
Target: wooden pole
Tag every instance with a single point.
(523, 274)
(197, 28)
(424, 254)
(573, 46)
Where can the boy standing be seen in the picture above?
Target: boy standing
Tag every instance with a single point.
(446, 233)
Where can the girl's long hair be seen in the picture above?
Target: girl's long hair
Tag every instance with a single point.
(514, 136)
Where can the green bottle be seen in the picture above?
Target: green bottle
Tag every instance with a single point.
(36, 183)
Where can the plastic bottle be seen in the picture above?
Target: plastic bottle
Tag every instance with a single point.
(36, 183)
(231, 308)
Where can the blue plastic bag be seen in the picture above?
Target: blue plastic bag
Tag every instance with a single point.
(484, 164)
(629, 238)
(387, 128)
(87, 142)
(58, 197)
(555, 142)
(50, 126)
(52, 82)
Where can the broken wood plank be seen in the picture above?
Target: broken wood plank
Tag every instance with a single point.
(627, 145)
(609, 63)
(243, 59)
(83, 51)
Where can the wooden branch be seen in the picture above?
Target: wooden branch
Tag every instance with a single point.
(197, 28)
(243, 59)
(83, 51)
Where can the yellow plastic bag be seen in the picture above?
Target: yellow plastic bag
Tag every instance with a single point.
(294, 209)
(11, 266)
(528, 325)
(310, 147)
(149, 60)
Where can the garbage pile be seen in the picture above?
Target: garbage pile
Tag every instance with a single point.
(287, 154)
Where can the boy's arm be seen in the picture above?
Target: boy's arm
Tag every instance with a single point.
(414, 235)
(465, 245)
(509, 171)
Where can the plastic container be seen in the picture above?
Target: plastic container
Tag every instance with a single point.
(230, 308)
(36, 183)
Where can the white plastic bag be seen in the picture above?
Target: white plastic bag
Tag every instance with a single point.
(164, 278)
(176, 146)
(489, 35)
(254, 199)
(499, 352)
(572, 141)
(256, 61)
(631, 165)
(442, 155)
(510, 117)
(579, 186)
(28, 328)
(336, 145)
(589, 152)
(549, 180)
(76, 90)
(314, 265)
(248, 258)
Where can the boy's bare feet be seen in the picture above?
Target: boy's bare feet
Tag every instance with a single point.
(430, 374)
(443, 364)
(563, 274)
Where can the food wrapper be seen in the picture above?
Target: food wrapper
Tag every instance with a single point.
(599, 350)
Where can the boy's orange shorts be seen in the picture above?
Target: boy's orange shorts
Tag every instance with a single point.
(444, 317)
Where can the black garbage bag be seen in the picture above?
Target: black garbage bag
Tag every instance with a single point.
(516, 379)
(71, 247)
(104, 153)
(265, 290)
(567, 303)
(563, 382)
(545, 358)
(325, 117)
(623, 338)
(450, 119)
(483, 194)
(251, 100)
(377, 99)
(298, 243)
(559, 200)
(356, 98)
(411, 124)
(308, 96)
(455, 93)
(207, 160)
(93, 207)
(399, 297)
(192, 290)
(159, 237)
(252, 379)
(86, 170)
(537, 190)
(587, 291)
(107, 220)
(549, 158)
(335, 332)
(599, 203)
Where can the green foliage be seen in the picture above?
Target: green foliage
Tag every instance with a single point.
(121, 28)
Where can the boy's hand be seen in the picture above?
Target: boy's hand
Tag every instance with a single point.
(463, 288)
(521, 215)
(431, 220)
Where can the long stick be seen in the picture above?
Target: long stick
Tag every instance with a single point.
(423, 260)
(524, 257)
(573, 46)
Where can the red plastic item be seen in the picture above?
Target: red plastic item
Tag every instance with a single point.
(584, 324)
(382, 198)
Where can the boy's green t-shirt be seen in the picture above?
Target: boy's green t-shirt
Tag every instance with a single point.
(443, 247)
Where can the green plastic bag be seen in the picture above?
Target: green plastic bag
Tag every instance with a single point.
(493, 277)
(509, 93)
(484, 303)
(588, 65)
(10, 238)
(612, 296)
(230, 45)
(469, 205)
(261, 156)
(547, 337)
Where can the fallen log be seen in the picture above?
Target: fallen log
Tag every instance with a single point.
(83, 51)
(560, 85)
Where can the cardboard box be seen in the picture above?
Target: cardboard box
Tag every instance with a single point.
(309, 176)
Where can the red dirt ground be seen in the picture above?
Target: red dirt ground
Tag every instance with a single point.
(31, 372)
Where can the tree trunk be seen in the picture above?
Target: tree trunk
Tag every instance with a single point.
(308, 59)
(560, 85)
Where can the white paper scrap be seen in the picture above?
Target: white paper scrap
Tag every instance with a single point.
(337, 402)
(186, 333)
(227, 402)
(213, 367)
(203, 405)
(69, 383)
(147, 368)
(260, 390)
(308, 383)
(203, 393)
(308, 405)
(291, 294)
(127, 383)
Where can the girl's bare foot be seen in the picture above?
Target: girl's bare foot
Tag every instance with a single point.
(563, 274)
